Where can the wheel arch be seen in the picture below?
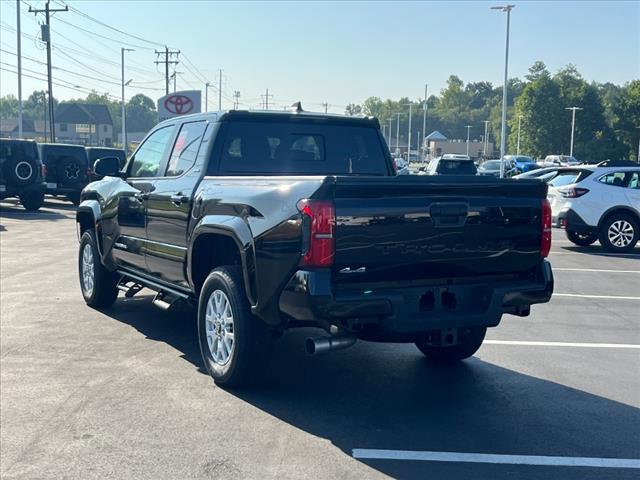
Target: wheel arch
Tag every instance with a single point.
(217, 241)
(87, 216)
(619, 209)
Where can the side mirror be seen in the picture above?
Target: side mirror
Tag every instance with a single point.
(107, 167)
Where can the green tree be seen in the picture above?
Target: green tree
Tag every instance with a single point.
(353, 109)
(542, 117)
(627, 119)
(141, 113)
(8, 106)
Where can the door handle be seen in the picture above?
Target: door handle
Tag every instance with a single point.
(141, 197)
(178, 199)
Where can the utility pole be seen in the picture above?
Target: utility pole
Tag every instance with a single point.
(468, 127)
(518, 145)
(124, 115)
(486, 138)
(19, 72)
(326, 106)
(424, 115)
(206, 96)
(503, 134)
(266, 99)
(167, 56)
(398, 132)
(391, 120)
(236, 95)
(46, 37)
(573, 125)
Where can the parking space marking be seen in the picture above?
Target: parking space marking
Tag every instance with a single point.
(562, 344)
(377, 454)
(609, 297)
(598, 270)
(599, 254)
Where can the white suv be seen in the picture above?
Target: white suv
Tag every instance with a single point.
(598, 202)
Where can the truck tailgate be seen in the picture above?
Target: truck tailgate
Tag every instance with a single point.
(412, 227)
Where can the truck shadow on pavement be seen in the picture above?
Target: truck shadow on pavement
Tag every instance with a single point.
(50, 211)
(388, 396)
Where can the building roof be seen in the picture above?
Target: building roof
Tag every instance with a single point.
(11, 125)
(436, 135)
(83, 113)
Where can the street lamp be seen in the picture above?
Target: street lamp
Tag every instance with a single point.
(573, 124)
(503, 131)
(398, 132)
(124, 120)
(468, 127)
(424, 117)
(485, 144)
(518, 146)
(206, 96)
(390, 120)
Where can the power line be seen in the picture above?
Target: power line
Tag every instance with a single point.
(110, 27)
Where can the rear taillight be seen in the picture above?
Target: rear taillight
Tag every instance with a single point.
(573, 192)
(89, 172)
(43, 170)
(545, 227)
(318, 224)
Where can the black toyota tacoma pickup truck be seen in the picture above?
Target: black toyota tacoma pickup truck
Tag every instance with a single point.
(270, 221)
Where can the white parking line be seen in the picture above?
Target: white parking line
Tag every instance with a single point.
(562, 344)
(599, 270)
(609, 297)
(600, 254)
(376, 454)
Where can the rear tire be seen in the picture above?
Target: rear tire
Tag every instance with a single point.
(98, 285)
(32, 200)
(470, 341)
(235, 345)
(582, 239)
(73, 197)
(619, 233)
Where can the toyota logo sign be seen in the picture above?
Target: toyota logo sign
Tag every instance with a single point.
(179, 103)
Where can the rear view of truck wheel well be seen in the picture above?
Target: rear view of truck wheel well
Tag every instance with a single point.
(212, 251)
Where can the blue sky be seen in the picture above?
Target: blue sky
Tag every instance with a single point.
(335, 52)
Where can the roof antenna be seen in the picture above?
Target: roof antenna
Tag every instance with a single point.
(297, 107)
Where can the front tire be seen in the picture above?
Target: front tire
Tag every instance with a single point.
(470, 341)
(582, 239)
(99, 286)
(32, 200)
(619, 233)
(235, 345)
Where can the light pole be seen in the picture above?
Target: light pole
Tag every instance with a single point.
(468, 127)
(486, 138)
(398, 132)
(573, 125)
(384, 130)
(390, 120)
(206, 96)
(518, 146)
(503, 130)
(409, 138)
(424, 114)
(124, 115)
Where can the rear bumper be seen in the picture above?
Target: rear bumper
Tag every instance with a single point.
(402, 312)
(570, 220)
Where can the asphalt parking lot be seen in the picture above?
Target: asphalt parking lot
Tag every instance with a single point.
(123, 394)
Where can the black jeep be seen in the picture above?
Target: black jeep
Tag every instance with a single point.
(21, 172)
(67, 169)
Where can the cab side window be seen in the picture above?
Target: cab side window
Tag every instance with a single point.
(185, 148)
(634, 181)
(148, 157)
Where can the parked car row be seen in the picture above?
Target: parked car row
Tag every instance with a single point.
(28, 170)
